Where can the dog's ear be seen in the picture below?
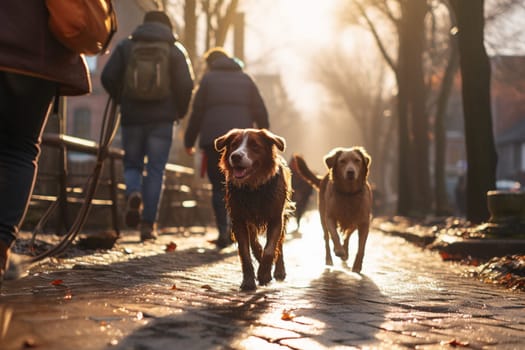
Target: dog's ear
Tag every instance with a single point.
(278, 141)
(331, 158)
(222, 141)
(366, 159)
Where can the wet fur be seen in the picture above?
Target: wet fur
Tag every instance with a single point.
(345, 201)
(259, 203)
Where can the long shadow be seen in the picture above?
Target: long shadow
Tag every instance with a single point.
(97, 277)
(343, 309)
(213, 326)
(339, 308)
(350, 306)
(336, 308)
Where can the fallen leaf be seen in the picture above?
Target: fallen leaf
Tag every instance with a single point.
(57, 282)
(445, 255)
(171, 247)
(287, 315)
(207, 287)
(455, 342)
(29, 343)
(173, 287)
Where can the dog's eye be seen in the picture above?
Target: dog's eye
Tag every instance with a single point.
(235, 144)
(254, 146)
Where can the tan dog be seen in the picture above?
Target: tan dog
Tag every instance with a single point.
(258, 193)
(345, 199)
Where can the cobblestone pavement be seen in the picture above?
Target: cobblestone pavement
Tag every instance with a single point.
(143, 296)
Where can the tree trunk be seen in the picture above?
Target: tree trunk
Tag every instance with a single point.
(442, 205)
(414, 172)
(479, 137)
(225, 23)
(190, 29)
(404, 190)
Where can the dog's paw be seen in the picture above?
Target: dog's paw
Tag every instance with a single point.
(264, 278)
(328, 261)
(279, 274)
(264, 275)
(340, 253)
(248, 285)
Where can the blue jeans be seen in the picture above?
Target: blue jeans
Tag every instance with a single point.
(217, 180)
(24, 106)
(154, 142)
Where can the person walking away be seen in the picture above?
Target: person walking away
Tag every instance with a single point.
(226, 98)
(302, 191)
(149, 74)
(34, 68)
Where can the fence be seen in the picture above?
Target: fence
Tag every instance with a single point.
(64, 167)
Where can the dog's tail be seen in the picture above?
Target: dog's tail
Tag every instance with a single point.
(305, 172)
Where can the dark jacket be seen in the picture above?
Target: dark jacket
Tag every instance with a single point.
(227, 98)
(28, 47)
(169, 109)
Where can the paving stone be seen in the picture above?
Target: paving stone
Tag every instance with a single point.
(140, 296)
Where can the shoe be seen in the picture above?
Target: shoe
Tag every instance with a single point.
(133, 210)
(222, 242)
(4, 260)
(148, 231)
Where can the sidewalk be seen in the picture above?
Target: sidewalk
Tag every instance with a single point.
(154, 296)
(496, 255)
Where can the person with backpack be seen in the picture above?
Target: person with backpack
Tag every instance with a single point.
(226, 98)
(150, 75)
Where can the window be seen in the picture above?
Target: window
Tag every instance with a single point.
(82, 123)
(91, 63)
(522, 163)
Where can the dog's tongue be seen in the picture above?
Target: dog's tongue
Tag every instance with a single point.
(239, 172)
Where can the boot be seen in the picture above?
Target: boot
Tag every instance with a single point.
(148, 231)
(4, 260)
(225, 238)
(133, 210)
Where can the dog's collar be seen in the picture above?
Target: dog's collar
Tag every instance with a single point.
(349, 194)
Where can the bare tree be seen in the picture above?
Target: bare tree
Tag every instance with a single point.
(407, 20)
(214, 18)
(443, 63)
(475, 74)
(360, 89)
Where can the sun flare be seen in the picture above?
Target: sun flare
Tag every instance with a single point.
(307, 20)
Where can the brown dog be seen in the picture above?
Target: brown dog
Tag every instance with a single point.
(345, 199)
(258, 194)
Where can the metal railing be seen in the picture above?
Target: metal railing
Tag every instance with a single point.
(66, 181)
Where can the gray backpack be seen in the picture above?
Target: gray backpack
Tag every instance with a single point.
(147, 75)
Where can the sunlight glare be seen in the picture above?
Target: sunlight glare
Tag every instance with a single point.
(307, 19)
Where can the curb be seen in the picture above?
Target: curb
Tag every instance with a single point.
(481, 248)
(471, 247)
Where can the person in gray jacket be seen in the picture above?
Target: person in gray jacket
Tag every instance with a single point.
(147, 124)
(226, 98)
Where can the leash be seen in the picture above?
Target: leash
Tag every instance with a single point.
(109, 128)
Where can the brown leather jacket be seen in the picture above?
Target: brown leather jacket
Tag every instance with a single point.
(28, 47)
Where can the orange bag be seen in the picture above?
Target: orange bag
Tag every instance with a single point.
(83, 26)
